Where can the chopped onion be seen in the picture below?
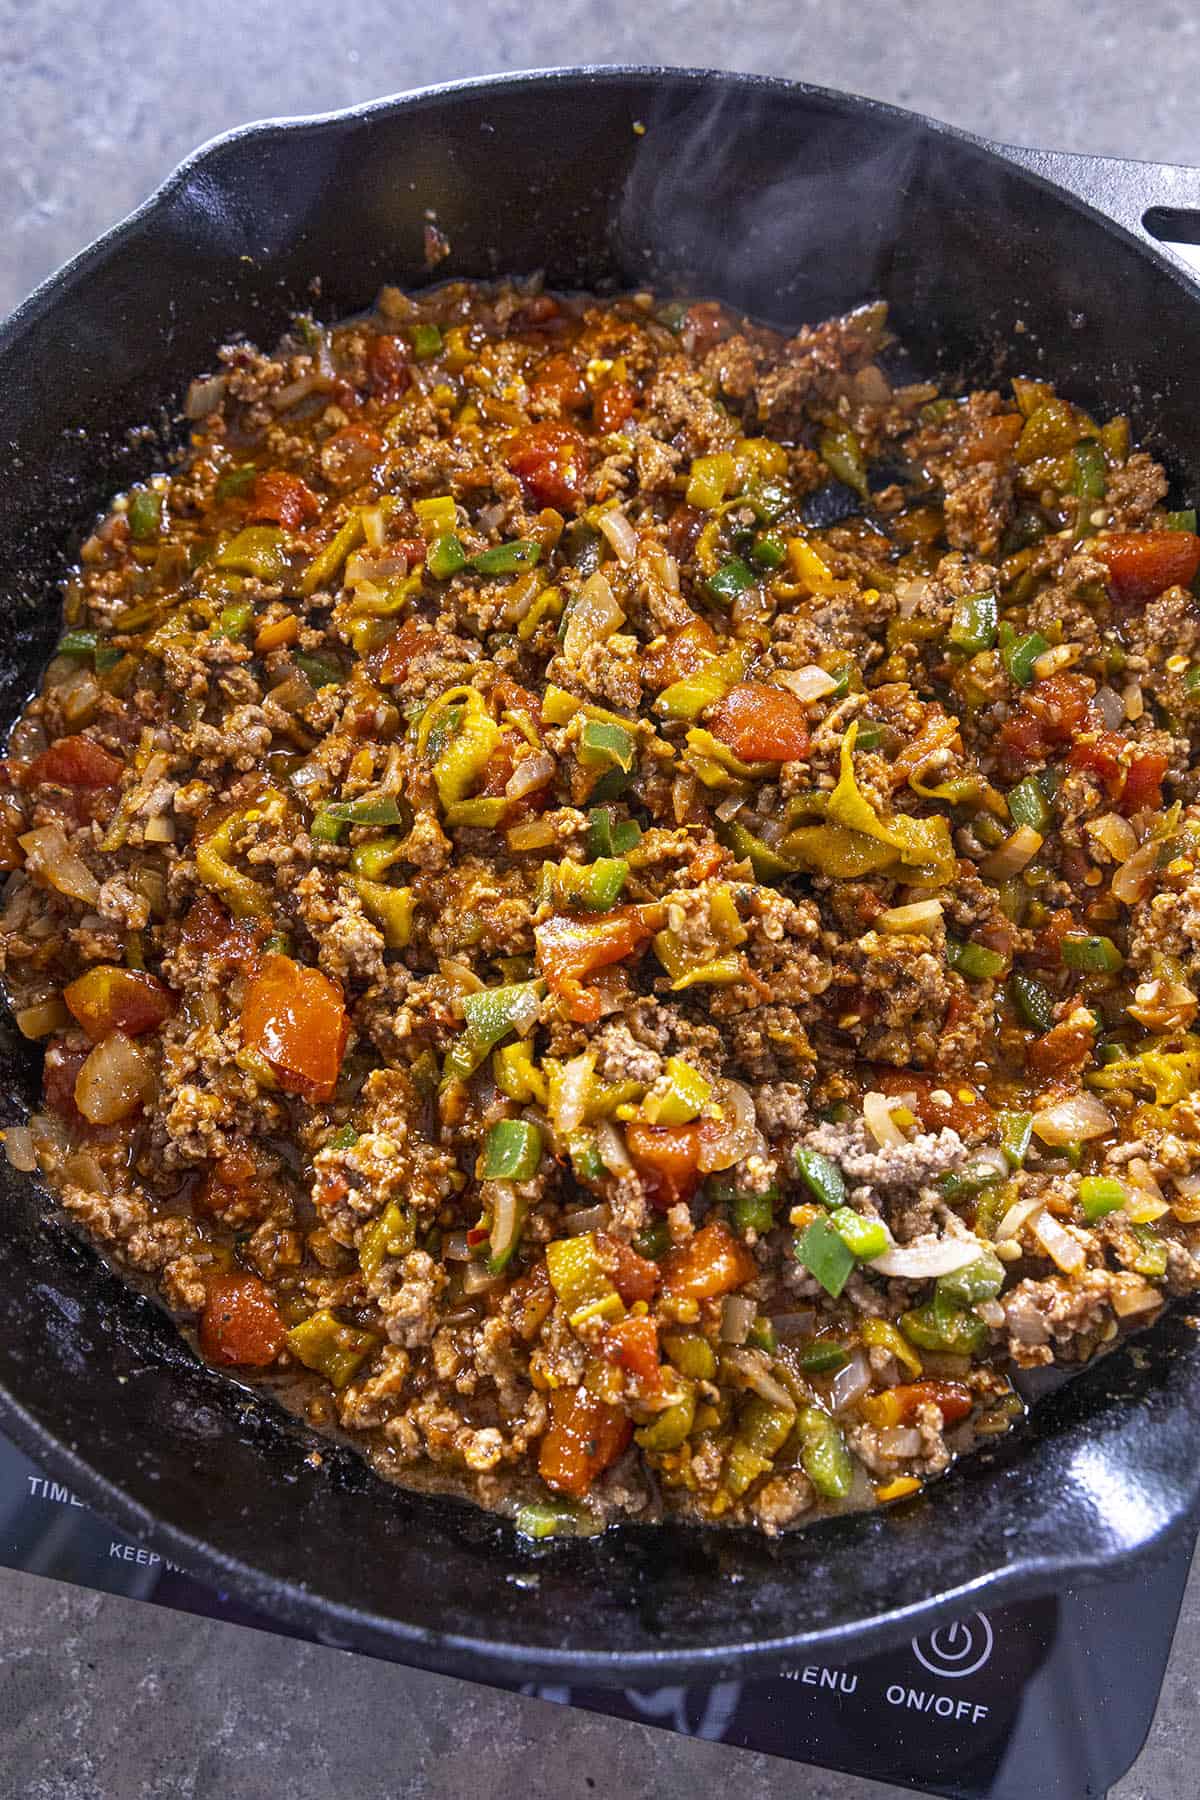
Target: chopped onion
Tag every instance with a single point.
(40, 1020)
(204, 396)
(374, 527)
(619, 532)
(1116, 834)
(506, 1220)
(753, 1371)
(909, 595)
(1060, 656)
(921, 915)
(809, 683)
(83, 1169)
(610, 1146)
(1186, 1206)
(1018, 1214)
(18, 1148)
(294, 392)
(1072, 1121)
(569, 1104)
(1131, 1294)
(531, 834)
(531, 773)
(730, 807)
(927, 1258)
(48, 854)
(739, 1136)
(455, 1247)
(850, 1383)
(1134, 700)
(160, 830)
(877, 1116)
(900, 1440)
(1013, 855)
(1111, 707)
(737, 1316)
(663, 567)
(1135, 874)
(114, 1081)
(1059, 1244)
(992, 1313)
(587, 1218)
(593, 618)
(79, 697)
(477, 1277)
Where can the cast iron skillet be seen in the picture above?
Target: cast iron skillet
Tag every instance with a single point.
(792, 203)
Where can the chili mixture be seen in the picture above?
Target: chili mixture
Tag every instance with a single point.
(612, 899)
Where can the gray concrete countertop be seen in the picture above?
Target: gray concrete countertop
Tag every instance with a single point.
(102, 1697)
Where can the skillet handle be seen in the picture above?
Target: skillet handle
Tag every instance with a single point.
(1158, 202)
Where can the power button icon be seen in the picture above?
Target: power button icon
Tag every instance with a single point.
(960, 1648)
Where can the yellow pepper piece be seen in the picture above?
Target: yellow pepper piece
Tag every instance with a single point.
(672, 1425)
(680, 1099)
(390, 907)
(816, 574)
(328, 562)
(716, 765)
(897, 1489)
(438, 515)
(245, 897)
(336, 1351)
(393, 1233)
(548, 605)
(759, 457)
(916, 843)
(879, 1334)
(688, 698)
(515, 1075)
(710, 479)
(580, 1281)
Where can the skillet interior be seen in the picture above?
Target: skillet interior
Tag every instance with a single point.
(791, 203)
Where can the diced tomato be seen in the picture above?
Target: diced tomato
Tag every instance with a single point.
(499, 768)
(941, 1101)
(634, 1277)
(760, 723)
(710, 1263)
(109, 998)
(209, 931)
(558, 382)
(951, 1398)
(1061, 1051)
(389, 664)
(1052, 713)
(569, 949)
(75, 762)
(388, 371)
(534, 314)
(704, 324)
(59, 1073)
(613, 405)
(240, 1327)
(351, 453)
(632, 1344)
(284, 499)
(992, 440)
(1143, 782)
(1141, 564)
(550, 461)
(679, 655)
(670, 1155)
(683, 528)
(295, 1018)
(1099, 754)
(585, 1436)
(1060, 705)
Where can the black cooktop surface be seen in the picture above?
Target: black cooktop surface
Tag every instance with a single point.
(1046, 1700)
